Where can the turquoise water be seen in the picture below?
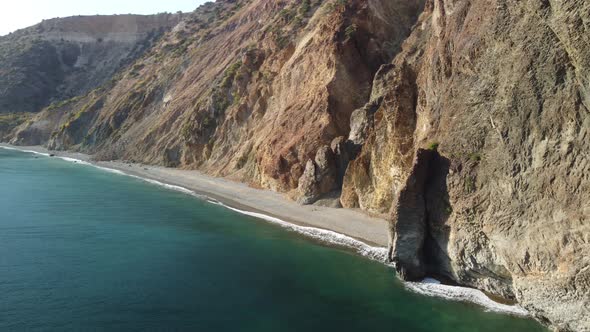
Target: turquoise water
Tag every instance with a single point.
(84, 249)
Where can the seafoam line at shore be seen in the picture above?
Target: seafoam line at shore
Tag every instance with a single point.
(428, 287)
(432, 287)
(22, 150)
(327, 236)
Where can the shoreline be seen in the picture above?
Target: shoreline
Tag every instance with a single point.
(364, 234)
(237, 195)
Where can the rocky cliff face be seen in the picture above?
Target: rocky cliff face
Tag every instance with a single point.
(245, 89)
(465, 122)
(500, 90)
(63, 58)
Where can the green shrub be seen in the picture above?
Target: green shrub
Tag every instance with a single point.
(186, 130)
(281, 40)
(339, 4)
(304, 7)
(63, 103)
(12, 120)
(230, 74)
(219, 101)
(350, 30)
(433, 146)
(242, 161)
(287, 14)
(469, 184)
(475, 157)
(297, 21)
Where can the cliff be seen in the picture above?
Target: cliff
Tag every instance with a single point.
(63, 58)
(498, 91)
(465, 122)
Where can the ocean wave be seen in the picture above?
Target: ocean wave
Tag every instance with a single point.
(427, 287)
(324, 235)
(22, 150)
(432, 287)
(169, 186)
(85, 163)
(76, 161)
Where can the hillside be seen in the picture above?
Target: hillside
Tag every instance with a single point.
(62, 58)
(464, 122)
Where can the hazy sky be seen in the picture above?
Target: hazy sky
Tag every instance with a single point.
(17, 14)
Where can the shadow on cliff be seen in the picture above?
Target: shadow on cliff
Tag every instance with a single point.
(438, 211)
(419, 234)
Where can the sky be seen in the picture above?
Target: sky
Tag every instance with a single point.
(18, 14)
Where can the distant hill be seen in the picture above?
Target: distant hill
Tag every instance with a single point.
(61, 58)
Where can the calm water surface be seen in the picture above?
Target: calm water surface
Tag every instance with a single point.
(84, 249)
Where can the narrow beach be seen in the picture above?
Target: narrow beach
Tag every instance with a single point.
(355, 224)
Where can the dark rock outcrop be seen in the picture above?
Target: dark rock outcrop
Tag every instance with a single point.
(361, 123)
(344, 151)
(409, 220)
(319, 177)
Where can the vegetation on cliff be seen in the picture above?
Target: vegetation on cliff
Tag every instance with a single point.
(464, 122)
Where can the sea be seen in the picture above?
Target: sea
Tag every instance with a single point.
(88, 249)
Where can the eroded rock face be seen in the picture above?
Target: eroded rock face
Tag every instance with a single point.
(249, 89)
(319, 177)
(308, 99)
(361, 122)
(388, 151)
(344, 151)
(501, 88)
(409, 220)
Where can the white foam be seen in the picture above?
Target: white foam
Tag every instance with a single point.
(76, 161)
(324, 235)
(167, 186)
(111, 170)
(327, 236)
(29, 151)
(431, 281)
(427, 287)
(432, 287)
